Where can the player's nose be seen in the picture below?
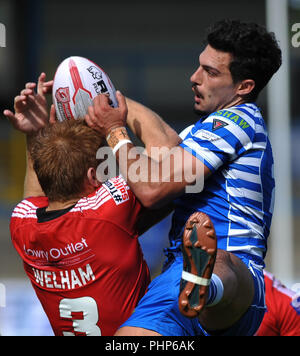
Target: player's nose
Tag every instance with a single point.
(196, 77)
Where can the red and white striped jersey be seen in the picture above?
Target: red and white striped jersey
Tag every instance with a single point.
(85, 263)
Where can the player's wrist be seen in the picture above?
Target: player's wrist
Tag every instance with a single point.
(116, 134)
(117, 137)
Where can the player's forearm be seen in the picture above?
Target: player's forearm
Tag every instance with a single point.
(150, 182)
(149, 127)
(157, 182)
(32, 186)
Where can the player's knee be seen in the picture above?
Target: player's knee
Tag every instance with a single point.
(236, 278)
(225, 271)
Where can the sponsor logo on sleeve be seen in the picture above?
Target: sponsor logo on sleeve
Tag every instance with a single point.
(117, 190)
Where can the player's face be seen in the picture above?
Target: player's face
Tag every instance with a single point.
(212, 82)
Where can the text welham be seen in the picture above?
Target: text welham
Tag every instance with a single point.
(67, 279)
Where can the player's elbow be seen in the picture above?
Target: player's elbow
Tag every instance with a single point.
(152, 197)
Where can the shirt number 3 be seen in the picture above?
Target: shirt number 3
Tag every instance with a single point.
(87, 323)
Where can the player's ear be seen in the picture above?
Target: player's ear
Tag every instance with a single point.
(92, 177)
(245, 87)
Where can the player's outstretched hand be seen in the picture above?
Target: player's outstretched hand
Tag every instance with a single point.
(30, 107)
(103, 118)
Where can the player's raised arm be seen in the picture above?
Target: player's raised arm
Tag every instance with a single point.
(154, 182)
(29, 116)
(149, 127)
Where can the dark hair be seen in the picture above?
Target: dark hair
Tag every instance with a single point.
(255, 51)
(62, 153)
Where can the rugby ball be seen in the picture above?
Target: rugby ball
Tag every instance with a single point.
(77, 82)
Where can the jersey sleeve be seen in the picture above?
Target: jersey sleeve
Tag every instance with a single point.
(26, 209)
(219, 139)
(23, 214)
(124, 208)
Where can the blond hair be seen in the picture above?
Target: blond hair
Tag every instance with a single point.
(62, 153)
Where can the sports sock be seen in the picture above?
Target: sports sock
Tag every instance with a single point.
(215, 291)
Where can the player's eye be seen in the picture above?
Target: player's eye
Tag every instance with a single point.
(211, 72)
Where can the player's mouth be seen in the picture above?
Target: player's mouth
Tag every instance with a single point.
(198, 95)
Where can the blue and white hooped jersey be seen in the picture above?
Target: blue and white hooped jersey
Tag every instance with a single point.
(239, 196)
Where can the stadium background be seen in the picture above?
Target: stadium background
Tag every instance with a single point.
(149, 49)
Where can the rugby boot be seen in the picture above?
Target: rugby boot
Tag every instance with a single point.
(199, 248)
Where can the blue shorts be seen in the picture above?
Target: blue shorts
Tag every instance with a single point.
(158, 309)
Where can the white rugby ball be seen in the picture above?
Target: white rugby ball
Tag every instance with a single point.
(77, 82)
